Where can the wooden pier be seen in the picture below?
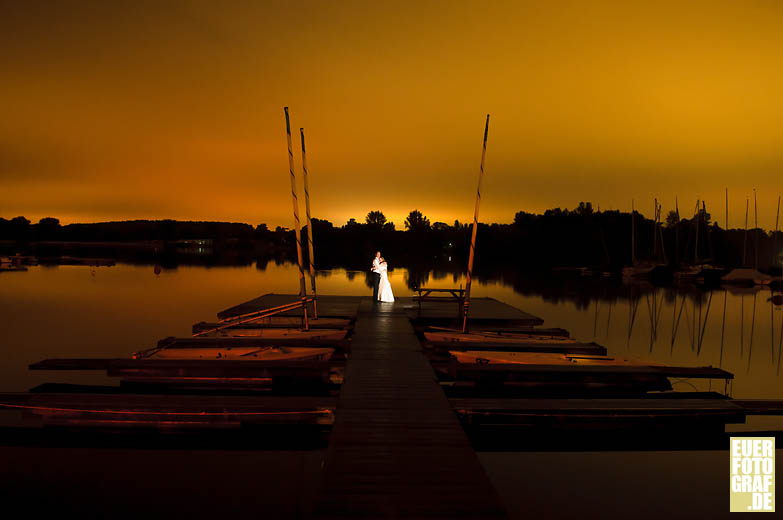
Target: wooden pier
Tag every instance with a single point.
(397, 449)
(400, 400)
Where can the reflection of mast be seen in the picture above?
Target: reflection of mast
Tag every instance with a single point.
(608, 319)
(723, 326)
(742, 325)
(752, 327)
(655, 315)
(780, 345)
(690, 326)
(633, 305)
(704, 325)
(772, 326)
(676, 324)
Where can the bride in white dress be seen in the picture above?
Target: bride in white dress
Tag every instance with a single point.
(384, 287)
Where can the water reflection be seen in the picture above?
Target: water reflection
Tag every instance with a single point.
(111, 311)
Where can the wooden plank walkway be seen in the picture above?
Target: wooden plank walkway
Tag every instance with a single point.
(328, 305)
(397, 449)
(481, 310)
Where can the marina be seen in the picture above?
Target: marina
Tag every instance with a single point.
(399, 402)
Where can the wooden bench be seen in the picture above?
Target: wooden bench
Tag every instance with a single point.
(426, 294)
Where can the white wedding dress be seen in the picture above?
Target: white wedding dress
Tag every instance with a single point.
(384, 287)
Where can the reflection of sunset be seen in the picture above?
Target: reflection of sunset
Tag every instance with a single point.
(150, 308)
(126, 111)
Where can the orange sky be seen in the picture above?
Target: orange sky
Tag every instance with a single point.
(166, 109)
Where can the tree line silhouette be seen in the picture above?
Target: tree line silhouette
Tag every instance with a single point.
(581, 237)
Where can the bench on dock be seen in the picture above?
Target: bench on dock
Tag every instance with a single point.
(425, 294)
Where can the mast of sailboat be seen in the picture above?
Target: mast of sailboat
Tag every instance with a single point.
(727, 209)
(633, 235)
(660, 233)
(677, 232)
(745, 240)
(775, 238)
(696, 248)
(309, 226)
(466, 302)
(655, 229)
(302, 288)
(755, 229)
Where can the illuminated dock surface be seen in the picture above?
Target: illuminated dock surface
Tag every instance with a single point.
(397, 449)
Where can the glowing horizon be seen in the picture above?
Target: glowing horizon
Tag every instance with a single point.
(147, 111)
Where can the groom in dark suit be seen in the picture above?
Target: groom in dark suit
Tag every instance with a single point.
(376, 275)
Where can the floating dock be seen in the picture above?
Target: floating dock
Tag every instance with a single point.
(397, 449)
(399, 399)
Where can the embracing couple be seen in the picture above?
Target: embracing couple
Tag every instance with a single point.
(381, 288)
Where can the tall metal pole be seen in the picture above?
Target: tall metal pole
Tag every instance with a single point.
(745, 240)
(302, 288)
(677, 232)
(309, 226)
(466, 302)
(756, 228)
(655, 229)
(633, 235)
(727, 209)
(696, 247)
(775, 240)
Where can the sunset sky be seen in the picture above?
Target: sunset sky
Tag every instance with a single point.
(174, 109)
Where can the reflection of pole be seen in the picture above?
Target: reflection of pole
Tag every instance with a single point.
(302, 288)
(633, 306)
(772, 326)
(752, 328)
(473, 233)
(742, 324)
(309, 225)
(780, 345)
(704, 325)
(723, 326)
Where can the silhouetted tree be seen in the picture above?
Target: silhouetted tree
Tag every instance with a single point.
(416, 221)
(375, 218)
(585, 208)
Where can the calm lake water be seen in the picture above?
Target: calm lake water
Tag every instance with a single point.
(74, 311)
